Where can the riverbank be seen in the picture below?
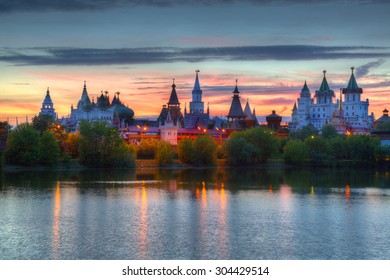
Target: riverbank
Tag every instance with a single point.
(276, 163)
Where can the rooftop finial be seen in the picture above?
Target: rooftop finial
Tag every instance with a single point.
(197, 71)
(85, 83)
(236, 82)
(352, 68)
(324, 72)
(47, 90)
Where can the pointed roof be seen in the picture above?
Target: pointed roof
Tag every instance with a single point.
(197, 85)
(47, 99)
(173, 98)
(236, 111)
(352, 85)
(248, 111)
(295, 107)
(305, 92)
(84, 95)
(324, 84)
(305, 88)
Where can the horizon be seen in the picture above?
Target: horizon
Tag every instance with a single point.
(138, 47)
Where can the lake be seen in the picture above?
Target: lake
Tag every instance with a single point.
(196, 214)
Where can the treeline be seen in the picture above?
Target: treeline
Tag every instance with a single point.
(98, 144)
(45, 142)
(328, 148)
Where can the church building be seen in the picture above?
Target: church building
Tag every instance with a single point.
(48, 106)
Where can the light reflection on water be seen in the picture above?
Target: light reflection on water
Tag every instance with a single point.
(196, 214)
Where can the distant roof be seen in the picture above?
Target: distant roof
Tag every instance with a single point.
(236, 111)
(352, 84)
(324, 84)
(47, 99)
(173, 98)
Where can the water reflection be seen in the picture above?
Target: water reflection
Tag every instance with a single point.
(56, 222)
(196, 214)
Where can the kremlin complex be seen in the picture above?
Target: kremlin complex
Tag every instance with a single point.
(347, 114)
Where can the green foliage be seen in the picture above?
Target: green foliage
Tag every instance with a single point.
(319, 151)
(184, 150)
(101, 146)
(252, 146)
(296, 152)
(147, 149)
(363, 149)
(49, 149)
(42, 122)
(5, 128)
(328, 132)
(164, 153)
(201, 151)
(238, 150)
(23, 145)
(204, 150)
(303, 133)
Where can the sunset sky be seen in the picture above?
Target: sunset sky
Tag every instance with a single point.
(137, 47)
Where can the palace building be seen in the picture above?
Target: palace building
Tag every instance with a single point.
(318, 111)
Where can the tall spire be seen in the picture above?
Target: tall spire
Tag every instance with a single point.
(236, 88)
(197, 85)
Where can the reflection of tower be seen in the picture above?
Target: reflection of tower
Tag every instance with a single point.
(56, 222)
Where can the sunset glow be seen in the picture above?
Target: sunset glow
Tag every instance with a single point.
(138, 49)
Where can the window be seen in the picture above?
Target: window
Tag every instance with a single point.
(353, 107)
(323, 109)
(353, 97)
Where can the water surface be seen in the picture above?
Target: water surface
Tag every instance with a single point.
(196, 214)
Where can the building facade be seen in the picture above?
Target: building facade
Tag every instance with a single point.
(317, 111)
(48, 106)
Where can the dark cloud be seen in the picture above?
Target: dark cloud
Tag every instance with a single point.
(78, 56)
(364, 69)
(98, 5)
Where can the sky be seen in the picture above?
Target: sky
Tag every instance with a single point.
(138, 47)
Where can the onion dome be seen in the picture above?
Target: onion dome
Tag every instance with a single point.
(123, 112)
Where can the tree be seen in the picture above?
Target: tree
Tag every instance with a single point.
(42, 122)
(328, 131)
(49, 149)
(23, 145)
(296, 152)
(238, 150)
(5, 128)
(100, 145)
(253, 146)
(184, 150)
(303, 133)
(319, 151)
(363, 149)
(71, 146)
(204, 150)
(164, 153)
(147, 149)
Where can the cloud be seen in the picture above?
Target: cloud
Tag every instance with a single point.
(7, 6)
(364, 69)
(119, 56)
